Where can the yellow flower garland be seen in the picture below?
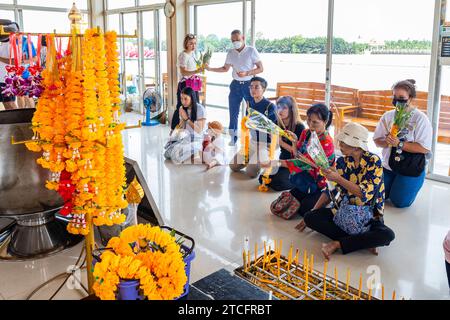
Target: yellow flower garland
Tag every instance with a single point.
(160, 272)
(76, 126)
(265, 179)
(245, 139)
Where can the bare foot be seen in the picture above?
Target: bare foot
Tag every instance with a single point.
(373, 251)
(301, 226)
(329, 248)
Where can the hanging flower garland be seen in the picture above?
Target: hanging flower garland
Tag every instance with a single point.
(245, 139)
(143, 253)
(75, 127)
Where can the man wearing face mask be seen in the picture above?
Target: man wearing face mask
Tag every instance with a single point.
(246, 63)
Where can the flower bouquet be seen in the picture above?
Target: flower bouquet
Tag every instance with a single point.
(401, 119)
(258, 121)
(143, 255)
(204, 59)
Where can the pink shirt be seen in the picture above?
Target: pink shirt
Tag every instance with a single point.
(447, 247)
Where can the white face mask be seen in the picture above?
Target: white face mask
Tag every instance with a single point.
(237, 44)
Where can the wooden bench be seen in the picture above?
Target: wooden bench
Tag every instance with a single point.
(202, 94)
(307, 93)
(373, 104)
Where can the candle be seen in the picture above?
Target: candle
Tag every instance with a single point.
(382, 292)
(370, 293)
(256, 252)
(264, 258)
(311, 265)
(335, 277)
(244, 260)
(393, 295)
(249, 258)
(296, 256)
(306, 275)
(348, 279)
(325, 266)
(280, 248)
(275, 245)
(290, 256)
(360, 285)
(304, 260)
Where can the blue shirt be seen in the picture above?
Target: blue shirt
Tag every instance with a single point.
(25, 48)
(267, 108)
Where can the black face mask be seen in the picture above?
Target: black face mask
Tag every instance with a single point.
(399, 100)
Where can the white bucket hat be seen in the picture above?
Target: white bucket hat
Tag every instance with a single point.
(355, 135)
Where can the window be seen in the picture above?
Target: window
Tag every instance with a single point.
(149, 2)
(116, 4)
(7, 14)
(81, 4)
(217, 37)
(392, 42)
(48, 21)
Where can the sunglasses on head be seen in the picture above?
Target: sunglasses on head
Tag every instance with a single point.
(191, 36)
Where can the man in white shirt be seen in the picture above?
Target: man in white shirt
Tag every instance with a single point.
(8, 101)
(246, 63)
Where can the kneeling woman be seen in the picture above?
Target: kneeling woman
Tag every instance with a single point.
(359, 183)
(289, 120)
(307, 181)
(187, 143)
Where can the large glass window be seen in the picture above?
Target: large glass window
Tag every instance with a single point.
(48, 21)
(217, 37)
(7, 14)
(115, 4)
(377, 44)
(81, 4)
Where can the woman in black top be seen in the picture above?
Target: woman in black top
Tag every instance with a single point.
(289, 120)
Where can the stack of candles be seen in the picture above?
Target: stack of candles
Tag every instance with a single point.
(274, 269)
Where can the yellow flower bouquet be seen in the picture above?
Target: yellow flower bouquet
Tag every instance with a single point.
(142, 256)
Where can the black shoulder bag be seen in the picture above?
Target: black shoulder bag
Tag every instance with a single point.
(407, 163)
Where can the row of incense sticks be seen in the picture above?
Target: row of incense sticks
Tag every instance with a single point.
(307, 267)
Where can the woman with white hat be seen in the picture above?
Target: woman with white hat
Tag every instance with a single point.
(355, 221)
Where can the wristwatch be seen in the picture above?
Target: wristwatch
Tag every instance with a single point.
(401, 144)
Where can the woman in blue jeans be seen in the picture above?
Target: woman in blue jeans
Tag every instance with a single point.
(402, 188)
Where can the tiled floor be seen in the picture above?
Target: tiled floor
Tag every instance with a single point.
(219, 209)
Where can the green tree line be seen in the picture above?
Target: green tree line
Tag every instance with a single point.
(299, 44)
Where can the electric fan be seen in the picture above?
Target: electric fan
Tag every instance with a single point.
(153, 107)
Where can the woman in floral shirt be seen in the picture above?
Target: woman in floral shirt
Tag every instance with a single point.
(308, 181)
(359, 178)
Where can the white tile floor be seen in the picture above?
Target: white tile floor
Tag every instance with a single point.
(218, 209)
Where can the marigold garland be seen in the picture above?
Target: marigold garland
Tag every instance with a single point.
(76, 126)
(245, 140)
(266, 177)
(143, 253)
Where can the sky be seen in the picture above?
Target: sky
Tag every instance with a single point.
(353, 19)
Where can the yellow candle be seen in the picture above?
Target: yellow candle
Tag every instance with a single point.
(382, 292)
(280, 248)
(264, 258)
(335, 277)
(360, 285)
(275, 245)
(370, 293)
(306, 275)
(325, 266)
(296, 257)
(393, 295)
(304, 261)
(311, 265)
(244, 260)
(348, 279)
(290, 255)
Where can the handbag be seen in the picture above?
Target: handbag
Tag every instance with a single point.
(195, 82)
(407, 163)
(285, 206)
(354, 219)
